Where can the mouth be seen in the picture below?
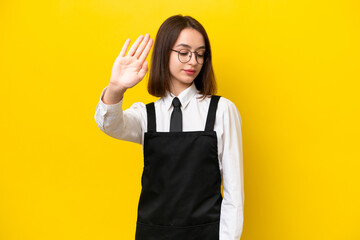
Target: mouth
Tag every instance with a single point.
(189, 71)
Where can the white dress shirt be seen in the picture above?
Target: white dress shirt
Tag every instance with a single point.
(130, 125)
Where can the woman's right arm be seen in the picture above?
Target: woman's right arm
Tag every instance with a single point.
(124, 125)
(127, 71)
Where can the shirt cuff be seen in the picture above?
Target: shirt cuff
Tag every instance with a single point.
(110, 108)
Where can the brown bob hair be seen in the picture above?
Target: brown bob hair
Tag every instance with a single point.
(168, 33)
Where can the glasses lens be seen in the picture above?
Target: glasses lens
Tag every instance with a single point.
(184, 56)
(200, 57)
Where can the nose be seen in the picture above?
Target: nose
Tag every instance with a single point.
(193, 59)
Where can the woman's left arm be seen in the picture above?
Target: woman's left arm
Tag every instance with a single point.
(232, 208)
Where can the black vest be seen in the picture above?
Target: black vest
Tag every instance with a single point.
(181, 182)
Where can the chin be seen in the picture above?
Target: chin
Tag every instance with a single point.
(189, 78)
(187, 81)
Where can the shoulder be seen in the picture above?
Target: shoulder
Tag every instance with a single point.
(138, 106)
(227, 109)
(142, 106)
(226, 104)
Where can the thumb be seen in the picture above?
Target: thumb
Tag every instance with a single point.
(143, 70)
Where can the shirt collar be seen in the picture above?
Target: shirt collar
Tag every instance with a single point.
(184, 97)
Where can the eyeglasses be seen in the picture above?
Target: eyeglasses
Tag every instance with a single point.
(185, 56)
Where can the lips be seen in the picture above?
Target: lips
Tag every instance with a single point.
(189, 70)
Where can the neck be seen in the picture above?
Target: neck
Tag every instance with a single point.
(176, 87)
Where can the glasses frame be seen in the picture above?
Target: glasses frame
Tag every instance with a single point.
(196, 55)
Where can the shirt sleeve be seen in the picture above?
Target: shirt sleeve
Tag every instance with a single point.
(232, 207)
(123, 125)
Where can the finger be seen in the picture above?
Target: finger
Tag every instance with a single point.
(142, 45)
(135, 45)
(124, 48)
(146, 51)
(143, 70)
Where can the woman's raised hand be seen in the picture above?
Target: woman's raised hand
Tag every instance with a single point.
(129, 70)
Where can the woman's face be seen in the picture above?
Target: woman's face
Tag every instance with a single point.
(189, 39)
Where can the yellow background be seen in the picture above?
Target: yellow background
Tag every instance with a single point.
(291, 68)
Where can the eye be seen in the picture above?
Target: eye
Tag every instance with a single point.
(200, 54)
(184, 52)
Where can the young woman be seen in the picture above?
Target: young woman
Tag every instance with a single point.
(191, 138)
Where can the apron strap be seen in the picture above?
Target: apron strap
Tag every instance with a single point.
(210, 120)
(150, 108)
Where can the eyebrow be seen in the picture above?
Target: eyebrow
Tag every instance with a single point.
(185, 45)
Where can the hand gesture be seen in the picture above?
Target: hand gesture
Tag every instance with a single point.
(129, 70)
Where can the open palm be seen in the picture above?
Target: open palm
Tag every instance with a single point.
(129, 70)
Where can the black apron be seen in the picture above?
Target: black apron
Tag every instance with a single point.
(181, 183)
